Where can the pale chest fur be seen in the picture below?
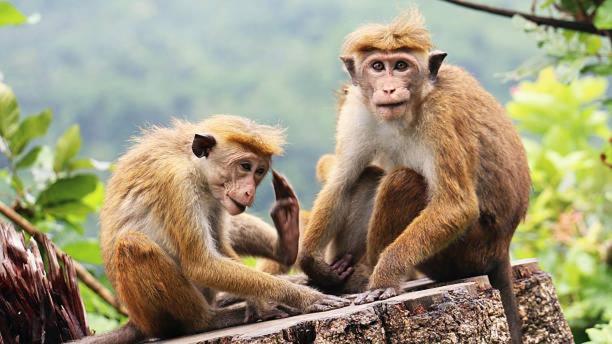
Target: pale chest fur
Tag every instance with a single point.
(388, 144)
(399, 149)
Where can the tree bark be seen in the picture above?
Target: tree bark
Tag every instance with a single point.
(465, 311)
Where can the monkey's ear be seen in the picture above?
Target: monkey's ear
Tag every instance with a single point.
(349, 64)
(435, 61)
(202, 145)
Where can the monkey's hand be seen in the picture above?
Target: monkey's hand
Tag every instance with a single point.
(319, 302)
(376, 295)
(286, 216)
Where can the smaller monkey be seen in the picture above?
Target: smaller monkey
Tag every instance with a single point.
(164, 227)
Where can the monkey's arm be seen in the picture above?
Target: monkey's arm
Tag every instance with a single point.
(251, 236)
(224, 274)
(451, 210)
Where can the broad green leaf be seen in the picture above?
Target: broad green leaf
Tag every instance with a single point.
(94, 199)
(603, 17)
(68, 189)
(86, 251)
(68, 209)
(9, 112)
(29, 159)
(67, 147)
(9, 15)
(30, 128)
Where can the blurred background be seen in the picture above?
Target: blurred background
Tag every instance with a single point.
(92, 73)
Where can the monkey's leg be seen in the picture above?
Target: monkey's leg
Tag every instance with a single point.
(352, 239)
(160, 300)
(501, 279)
(401, 197)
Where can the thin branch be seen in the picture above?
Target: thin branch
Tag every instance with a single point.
(547, 21)
(88, 279)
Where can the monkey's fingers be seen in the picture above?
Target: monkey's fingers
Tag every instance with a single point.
(375, 295)
(346, 273)
(282, 188)
(368, 296)
(344, 260)
(328, 302)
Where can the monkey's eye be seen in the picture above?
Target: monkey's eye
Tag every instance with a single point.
(245, 166)
(260, 171)
(401, 66)
(378, 66)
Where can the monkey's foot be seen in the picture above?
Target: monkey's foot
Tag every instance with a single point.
(375, 295)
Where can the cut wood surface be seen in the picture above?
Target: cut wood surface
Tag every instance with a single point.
(465, 311)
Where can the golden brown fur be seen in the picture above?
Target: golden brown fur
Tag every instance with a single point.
(406, 31)
(164, 237)
(456, 180)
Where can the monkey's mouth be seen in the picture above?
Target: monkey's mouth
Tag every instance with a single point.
(238, 205)
(391, 105)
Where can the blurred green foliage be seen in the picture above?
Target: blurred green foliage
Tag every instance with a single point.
(565, 129)
(564, 117)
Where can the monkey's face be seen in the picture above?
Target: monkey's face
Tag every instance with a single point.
(248, 169)
(235, 187)
(233, 172)
(390, 81)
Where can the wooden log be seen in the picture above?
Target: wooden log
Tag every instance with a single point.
(465, 311)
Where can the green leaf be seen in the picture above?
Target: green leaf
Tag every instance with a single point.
(603, 17)
(83, 164)
(9, 15)
(74, 209)
(9, 112)
(30, 128)
(94, 199)
(17, 184)
(67, 147)
(29, 159)
(68, 189)
(86, 251)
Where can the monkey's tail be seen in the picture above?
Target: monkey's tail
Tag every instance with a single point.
(126, 334)
(324, 166)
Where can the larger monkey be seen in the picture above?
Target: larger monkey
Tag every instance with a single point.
(164, 226)
(439, 134)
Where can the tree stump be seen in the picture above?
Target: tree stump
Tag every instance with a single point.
(465, 311)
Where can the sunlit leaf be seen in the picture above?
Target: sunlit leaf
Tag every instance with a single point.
(86, 251)
(9, 15)
(603, 17)
(94, 199)
(67, 147)
(30, 128)
(68, 189)
(9, 112)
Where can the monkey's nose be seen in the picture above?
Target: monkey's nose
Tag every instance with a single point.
(388, 91)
